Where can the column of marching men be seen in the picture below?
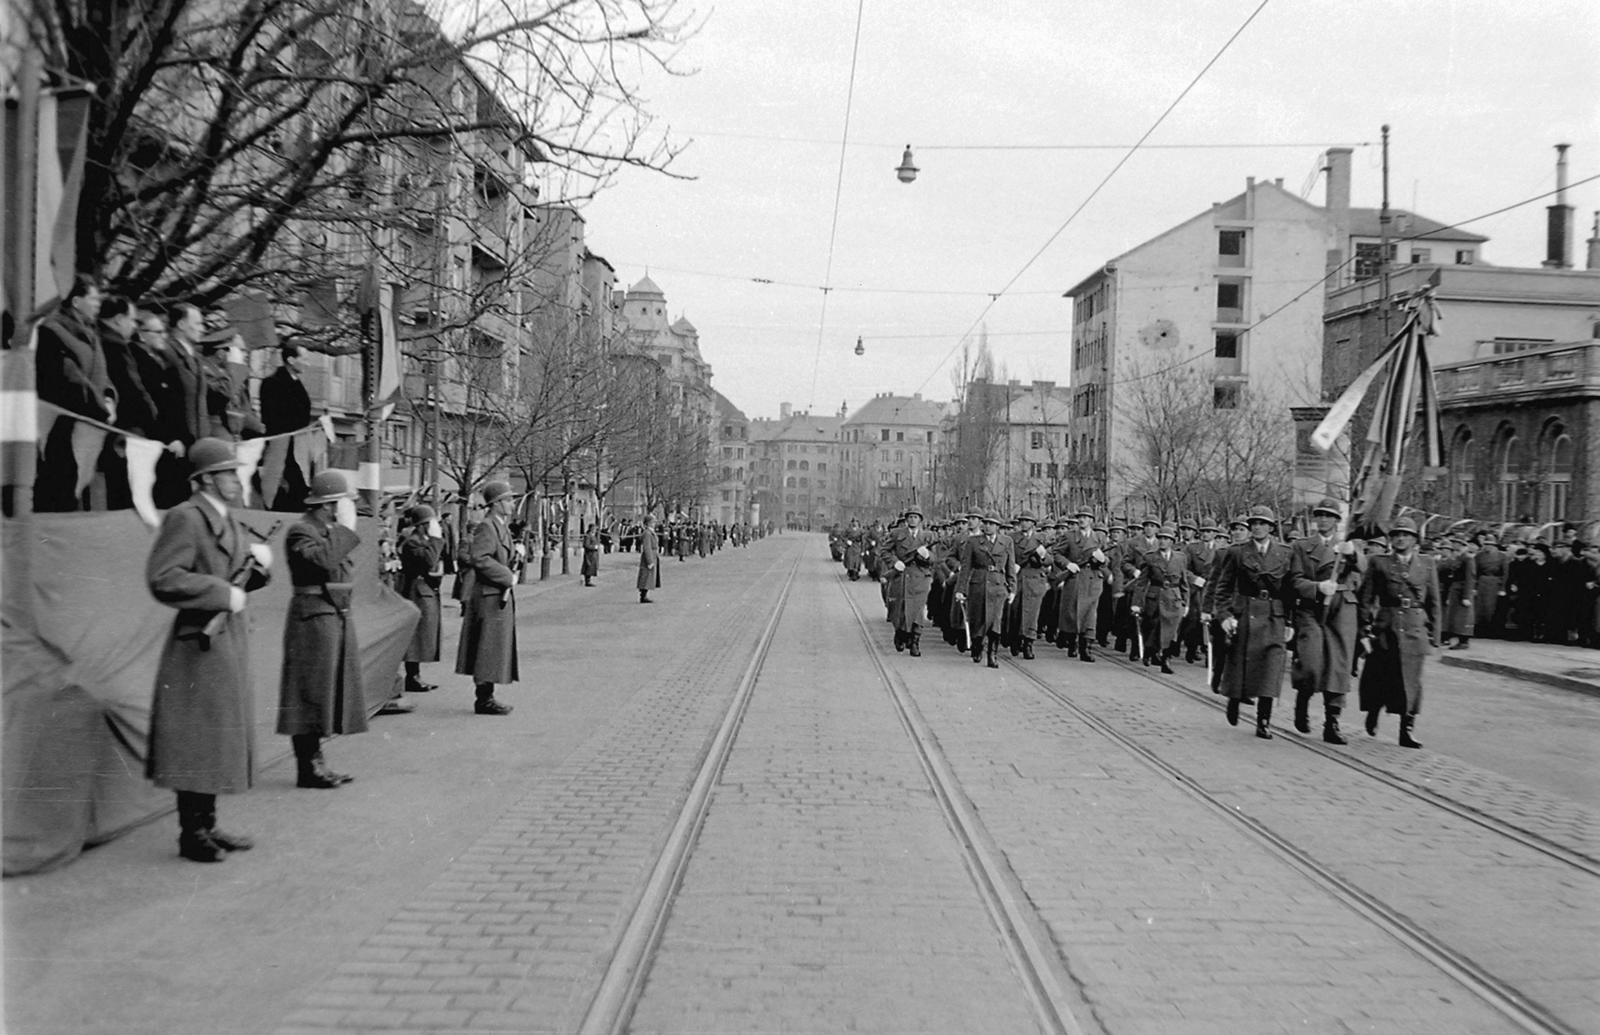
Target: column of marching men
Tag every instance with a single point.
(205, 563)
(1327, 611)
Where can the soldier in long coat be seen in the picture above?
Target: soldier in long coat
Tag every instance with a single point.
(909, 553)
(1201, 554)
(1255, 593)
(1489, 608)
(591, 554)
(1400, 622)
(1032, 559)
(1140, 541)
(850, 549)
(422, 551)
(202, 722)
(1114, 599)
(1327, 578)
(988, 584)
(1460, 595)
(1160, 597)
(488, 647)
(319, 693)
(1088, 566)
(649, 559)
(1238, 532)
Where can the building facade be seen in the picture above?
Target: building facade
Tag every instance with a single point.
(730, 503)
(1028, 465)
(889, 451)
(795, 462)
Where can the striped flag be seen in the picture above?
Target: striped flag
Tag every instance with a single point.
(1409, 388)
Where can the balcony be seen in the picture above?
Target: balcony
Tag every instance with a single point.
(1565, 370)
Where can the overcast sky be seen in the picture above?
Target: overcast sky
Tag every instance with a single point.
(1476, 92)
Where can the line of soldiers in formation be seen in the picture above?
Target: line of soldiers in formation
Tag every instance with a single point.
(205, 563)
(1241, 597)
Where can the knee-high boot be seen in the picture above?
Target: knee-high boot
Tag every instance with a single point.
(1407, 723)
(1264, 718)
(196, 814)
(1330, 726)
(1302, 711)
(994, 646)
(1085, 653)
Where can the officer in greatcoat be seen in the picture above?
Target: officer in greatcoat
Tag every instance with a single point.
(1160, 597)
(422, 551)
(1032, 580)
(1400, 616)
(850, 549)
(908, 554)
(488, 648)
(1490, 607)
(1140, 541)
(202, 723)
(1327, 578)
(988, 586)
(1461, 594)
(319, 693)
(1255, 593)
(1201, 553)
(649, 559)
(591, 554)
(1082, 556)
(1210, 616)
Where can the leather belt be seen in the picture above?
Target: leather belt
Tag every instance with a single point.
(308, 591)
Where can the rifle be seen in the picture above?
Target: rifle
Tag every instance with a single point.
(966, 631)
(240, 577)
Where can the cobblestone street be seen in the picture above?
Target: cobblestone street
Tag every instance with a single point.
(702, 819)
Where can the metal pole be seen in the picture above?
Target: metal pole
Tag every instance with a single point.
(1383, 241)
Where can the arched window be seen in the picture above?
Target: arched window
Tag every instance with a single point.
(805, 465)
(1558, 464)
(788, 483)
(1508, 470)
(1462, 470)
(790, 466)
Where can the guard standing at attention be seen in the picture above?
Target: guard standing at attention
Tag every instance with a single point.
(591, 554)
(1399, 622)
(488, 648)
(202, 724)
(422, 553)
(320, 692)
(649, 559)
(1327, 578)
(1089, 567)
(988, 585)
(1254, 594)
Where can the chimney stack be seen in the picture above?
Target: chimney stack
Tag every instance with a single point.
(1338, 170)
(1594, 244)
(783, 411)
(1558, 247)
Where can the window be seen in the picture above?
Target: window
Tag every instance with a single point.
(726, 496)
(822, 468)
(727, 431)
(805, 483)
(930, 434)
(1225, 397)
(1368, 259)
(885, 456)
(1227, 345)
(899, 455)
(1036, 440)
(789, 466)
(727, 452)
(1559, 464)
(1507, 461)
(897, 479)
(1036, 470)
(1421, 255)
(1462, 473)
(788, 483)
(1230, 301)
(899, 436)
(789, 498)
(1230, 248)
(1465, 257)
(885, 433)
(805, 465)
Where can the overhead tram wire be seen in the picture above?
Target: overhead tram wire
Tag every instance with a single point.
(1239, 146)
(1098, 188)
(838, 192)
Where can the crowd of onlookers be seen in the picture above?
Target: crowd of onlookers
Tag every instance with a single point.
(1546, 592)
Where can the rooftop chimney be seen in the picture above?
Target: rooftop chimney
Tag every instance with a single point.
(1338, 170)
(1558, 247)
(1594, 244)
(783, 411)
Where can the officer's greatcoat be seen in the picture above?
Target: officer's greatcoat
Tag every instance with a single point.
(1400, 611)
(1257, 591)
(488, 648)
(320, 692)
(1325, 628)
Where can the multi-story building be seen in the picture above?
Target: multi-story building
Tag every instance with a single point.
(1027, 434)
(730, 492)
(796, 467)
(888, 452)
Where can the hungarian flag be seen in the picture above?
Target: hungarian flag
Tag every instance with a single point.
(381, 342)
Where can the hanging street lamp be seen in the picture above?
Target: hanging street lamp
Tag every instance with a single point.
(861, 350)
(906, 172)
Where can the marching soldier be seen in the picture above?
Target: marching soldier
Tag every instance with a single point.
(1032, 559)
(1399, 623)
(988, 585)
(1327, 579)
(1113, 599)
(488, 648)
(1238, 532)
(1083, 557)
(1255, 592)
(1134, 549)
(851, 549)
(1200, 554)
(909, 550)
(422, 549)
(1160, 596)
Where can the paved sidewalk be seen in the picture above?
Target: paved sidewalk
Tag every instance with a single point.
(1571, 668)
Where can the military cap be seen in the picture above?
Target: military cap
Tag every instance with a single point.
(1242, 521)
(1167, 531)
(210, 455)
(329, 486)
(1148, 521)
(1026, 515)
(1328, 506)
(974, 514)
(1211, 530)
(991, 516)
(913, 509)
(1402, 526)
(1190, 525)
(1115, 528)
(496, 490)
(1262, 514)
(420, 514)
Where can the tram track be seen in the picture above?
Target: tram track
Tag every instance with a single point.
(1520, 1009)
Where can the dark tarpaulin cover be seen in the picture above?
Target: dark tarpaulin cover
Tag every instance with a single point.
(77, 697)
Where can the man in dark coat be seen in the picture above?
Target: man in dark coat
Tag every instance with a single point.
(909, 553)
(1238, 532)
(849, 542)
(488, 648)
(1088, 566)
(988, 585)
(1255, 593)
(1568, 593)
(70, 371)
(1400, 617)
(320, 691)
(1201, 554)
(591, 555)
(649, 559)
(286, 407)
(422, 552)
(1032, 559)
(1160, 596)
(202, 723)
(1327, 577)
(1460, 593)
(1490, 609)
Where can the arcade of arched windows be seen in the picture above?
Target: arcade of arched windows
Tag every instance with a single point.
(1507, 470)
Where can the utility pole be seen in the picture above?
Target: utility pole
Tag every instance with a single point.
(1383, 241)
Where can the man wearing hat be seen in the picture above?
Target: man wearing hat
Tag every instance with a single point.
(1255, 594)
(227, 380)
(1112, 596)
(850, 549)
(319, 693)
(649, 559)
(1140, 541)
(1160, 595)
(1459, 591)
(909, 553)
(1200, 553)
(1489, 610)
(422, 551)
(1032, 558)
(488, 648)
(1087, 564)
(988, 584)
(1238, 532)
(1400, 615)
(1327, 577)
(202, 714)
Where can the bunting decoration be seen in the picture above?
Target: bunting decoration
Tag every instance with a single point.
(248, 454)
(143, 454)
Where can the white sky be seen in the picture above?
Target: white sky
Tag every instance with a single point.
(1476, 92)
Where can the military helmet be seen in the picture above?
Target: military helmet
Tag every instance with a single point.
(1262, 513)
(328, 487)
(420, 514)
(210, 455)
(1329, 506)
(496, 490)
(1167, 531)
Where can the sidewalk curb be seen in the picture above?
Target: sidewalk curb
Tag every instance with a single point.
(1546, 678)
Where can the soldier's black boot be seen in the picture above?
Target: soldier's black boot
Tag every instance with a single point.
(1264, 718)
(994, 648)
(226, 841)
(310, 773)
(1233, 711)
(1302, 711)
(1372, 723)
(916, 643)
(196, 814)
(1027, 649)
(1407, 722)
(1330, 727)
(1084, 651)
(1071, 643)
(977, 648)
(1166, 656)
(414, 683)
(899, 641)
(486, 704)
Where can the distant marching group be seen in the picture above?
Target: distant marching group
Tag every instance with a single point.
(1241, 597)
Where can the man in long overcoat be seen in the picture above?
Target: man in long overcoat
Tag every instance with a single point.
(1082, 555)
(1255, 593)
(422, 553)
(850, 549)
(909, 551)
(1238, 532)
(1160, 596)
(488, 648)
(1201, 554)
(649, 559)
(988, 585)
(319, 693)
(1400, 621)
(1033, 559)
(1460, 594)
(1327, 578)
(202, 721)
(591, 555)
(1489, 610)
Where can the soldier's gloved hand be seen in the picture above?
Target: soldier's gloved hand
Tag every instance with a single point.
(347, 514)
(262, 553)
(1327, 587)
(1098, 555)
(235, 599)
(435, 530)
(961, 597)
(899, 565)
(1041, 551)
(1347, 547)
(1197, 580)
(922, 551)
(1136, 609)
(1073, 568)
(1288, 635)
(1205, 618)
(1010, 597)
(1230, 624)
